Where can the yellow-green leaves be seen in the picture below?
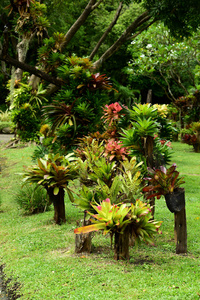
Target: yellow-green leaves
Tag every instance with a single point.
(53, 171)
(109, 217)
(115, 218)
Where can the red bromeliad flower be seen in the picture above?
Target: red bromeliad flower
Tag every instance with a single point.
(163, 142)
(168, 143)
(114, 149)
(99, 82)
(112, 112)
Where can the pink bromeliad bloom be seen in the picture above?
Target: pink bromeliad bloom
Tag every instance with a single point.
(107, 200)
(114, 149)
(112, 112)
(169, 144)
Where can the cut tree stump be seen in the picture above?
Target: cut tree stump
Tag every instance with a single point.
(180, 231)
(83, 241)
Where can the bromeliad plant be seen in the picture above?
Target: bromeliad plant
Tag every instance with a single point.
(112, 113)
(115, 117)
(162, 181)
(115, 151)
(139, 139)
(123, 220)
(59, 113)
(120, 180)
(54, 172)
(109, 217)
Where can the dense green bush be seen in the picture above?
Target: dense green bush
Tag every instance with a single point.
(32, 199)
(27, 124)
(39, 152)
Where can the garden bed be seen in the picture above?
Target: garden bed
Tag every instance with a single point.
(40, 255)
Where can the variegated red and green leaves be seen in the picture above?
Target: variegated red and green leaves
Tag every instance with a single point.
(115, 218)
(53, 171)
(109, 217)
(162, 181)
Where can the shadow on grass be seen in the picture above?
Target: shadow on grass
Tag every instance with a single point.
(9, 288)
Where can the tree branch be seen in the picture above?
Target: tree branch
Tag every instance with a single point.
(168, 85)
(190, 73)
(132, 37)
(177, 79)
(79, 22)
(123, 38)
(32, 70)
(97, 4)
(112, 24)
(163, 88)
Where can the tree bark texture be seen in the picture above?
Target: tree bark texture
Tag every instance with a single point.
(83, 241)
(22, 49)
(123, 38)
(180, 231)
(59, 205)
(149, 96)
(112, 24)
(121, 248)
(92, 4)
(148, 150)
(31, 69)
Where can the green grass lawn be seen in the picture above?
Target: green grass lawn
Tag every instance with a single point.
(40, 255)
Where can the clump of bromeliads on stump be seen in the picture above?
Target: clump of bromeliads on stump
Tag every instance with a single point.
(110, 183)
(112, 180)
(123, 221)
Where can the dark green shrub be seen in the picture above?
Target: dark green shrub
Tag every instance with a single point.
(39, 152)
(26, 122)
(32, 199)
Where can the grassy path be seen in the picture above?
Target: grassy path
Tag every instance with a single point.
(40, 255)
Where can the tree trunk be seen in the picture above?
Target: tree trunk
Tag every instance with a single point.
(149, 145)
(122, 244)
(149, 96)
(59, 205)
(31, 69)
(112, 24)
(142, 19)
(148, 149)
(197, 145)
(180, 231)
(83, 241)
(22, 49)
(92, 4)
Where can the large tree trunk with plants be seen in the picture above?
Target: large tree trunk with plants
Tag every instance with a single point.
(121, 244)
(176, 204)
(148, 149)
(59, 205)
(22, 49)
(180, 231)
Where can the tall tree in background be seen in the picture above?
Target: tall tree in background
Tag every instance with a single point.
(181, 17)
(170, 63)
